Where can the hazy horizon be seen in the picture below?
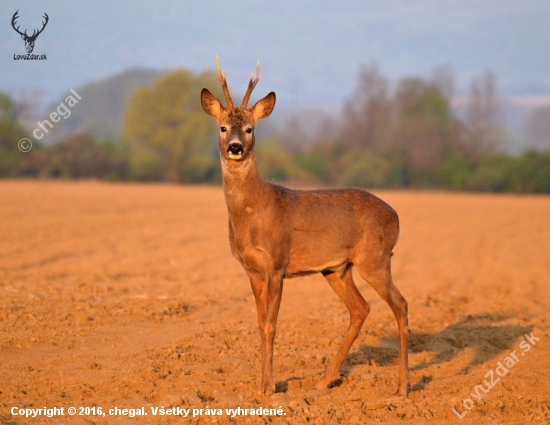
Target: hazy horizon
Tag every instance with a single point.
(310, 51)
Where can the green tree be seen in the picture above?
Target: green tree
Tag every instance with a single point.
(363, 169)
(168, 135)
(315, 164)
(81, 156)
(12, 160)
(530, 173)
(493, 174)
(455, 172)
(425, 131)
(414, 130)
(275, 163)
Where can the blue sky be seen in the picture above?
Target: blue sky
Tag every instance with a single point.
(310, 51)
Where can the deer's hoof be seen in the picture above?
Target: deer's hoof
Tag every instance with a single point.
(402, 390)
(267, 389)
(323, 383)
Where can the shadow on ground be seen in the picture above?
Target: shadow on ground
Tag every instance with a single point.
(480, 332)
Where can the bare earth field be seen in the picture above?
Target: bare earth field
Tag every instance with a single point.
(127, 296)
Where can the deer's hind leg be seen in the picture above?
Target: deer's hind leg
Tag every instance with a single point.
(342, 283)
(378, 274)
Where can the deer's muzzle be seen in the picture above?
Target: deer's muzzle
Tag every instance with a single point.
(235, 150)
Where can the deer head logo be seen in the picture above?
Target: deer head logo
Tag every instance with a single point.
(29, 39)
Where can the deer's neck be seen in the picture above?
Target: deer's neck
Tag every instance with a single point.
(243, 187)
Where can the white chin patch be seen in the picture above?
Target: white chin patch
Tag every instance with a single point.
(234, 156)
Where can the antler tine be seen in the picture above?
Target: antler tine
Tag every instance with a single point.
(223, 82)
(251, 86)
(47, 18)
(13, 22)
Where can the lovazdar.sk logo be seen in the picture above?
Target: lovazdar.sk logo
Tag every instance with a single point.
(29, 39)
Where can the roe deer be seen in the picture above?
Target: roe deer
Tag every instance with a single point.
(278, 233)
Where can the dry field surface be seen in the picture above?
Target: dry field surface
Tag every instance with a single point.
(127, 296)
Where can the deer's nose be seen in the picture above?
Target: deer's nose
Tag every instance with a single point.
(235, 148)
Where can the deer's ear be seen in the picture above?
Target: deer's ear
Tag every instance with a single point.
(211, 104)
(263, 107)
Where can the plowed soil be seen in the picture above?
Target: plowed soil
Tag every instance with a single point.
(127, 296)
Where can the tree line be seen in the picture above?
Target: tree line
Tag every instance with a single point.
(403, 135)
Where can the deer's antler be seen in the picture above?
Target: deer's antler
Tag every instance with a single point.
(13, 23)
(223, 82)
(251, 84)
(34, 33)
(43, 25)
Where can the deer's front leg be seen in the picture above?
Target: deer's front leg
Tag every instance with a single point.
(268, 289)
(268, 293)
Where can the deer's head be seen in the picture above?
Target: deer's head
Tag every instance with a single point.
(236, 125)
(29, 39)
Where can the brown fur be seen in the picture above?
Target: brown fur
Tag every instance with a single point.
(278, 233)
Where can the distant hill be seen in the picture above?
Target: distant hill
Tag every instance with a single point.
(101, 109)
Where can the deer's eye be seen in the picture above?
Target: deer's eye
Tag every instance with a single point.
(249, 130)
(223, 129)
